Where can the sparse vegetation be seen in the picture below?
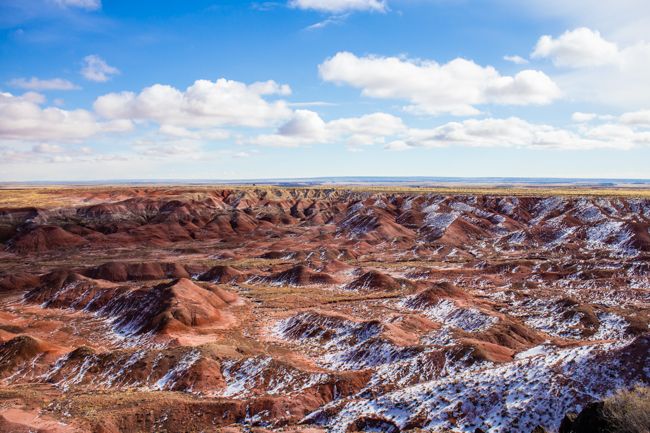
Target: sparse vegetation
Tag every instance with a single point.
(629, 411)
(76, 195)
(493, 318)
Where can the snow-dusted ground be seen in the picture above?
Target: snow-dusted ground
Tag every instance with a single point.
(612, 327)
(325, 331)
(438, 222)
(537, 388)
(467, 319)
(580, 252)
(262, 375)
(549, 316)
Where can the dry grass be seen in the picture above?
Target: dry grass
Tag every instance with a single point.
(532, 191)
(58, 196)
(629, 411)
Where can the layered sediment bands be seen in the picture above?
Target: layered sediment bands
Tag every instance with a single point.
(313, 310)
(161, 308)
(120, 271)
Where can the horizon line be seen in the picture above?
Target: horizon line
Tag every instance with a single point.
(323, 180)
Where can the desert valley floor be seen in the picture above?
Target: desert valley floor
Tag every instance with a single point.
(204, 309)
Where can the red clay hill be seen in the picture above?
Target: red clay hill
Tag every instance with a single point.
(199, 308)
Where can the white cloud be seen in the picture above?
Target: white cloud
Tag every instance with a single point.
(518, 60)
(398, 145)
(22, 118)
(338, 6)
(369, 124)
(186, 148)
(96, 69)
(367, 129)
(204, 104)
(599, 70)
(577, 48)
(381, 128)
(331, 20)
(625, 20)
(636, 118)
(201, 134)
(519, 133)
(270, 87)
(456, 87)
(34, 97)
(47, 148)
(38, 84)
(304, 127)
(307, 127)
(510, 132)
(312, 104)
(31, 159)
(583, 117)
(81, 4)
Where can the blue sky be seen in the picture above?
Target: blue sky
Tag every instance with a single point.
(94, 89)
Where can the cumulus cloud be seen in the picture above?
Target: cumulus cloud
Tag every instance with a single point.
(519, 133)
(307, 127)
(398, 145)
(577, 48)
(339, 6)
(598, 70)
(583, 117)
(591, 131)
(617, 135)
(456, 87)
(367, 129)
(510, 132)
(187, 120)
(204, 104)
(23, 118)
(96, 69)
(34, 97)
(81, 4)
(270, 87)
(636, 118)
(38, 84)
(627, 20)
(304, 125)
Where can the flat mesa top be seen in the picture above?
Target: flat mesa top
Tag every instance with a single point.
(17, 196)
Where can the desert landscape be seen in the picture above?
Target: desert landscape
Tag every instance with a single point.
(324, 216)
(313, 309)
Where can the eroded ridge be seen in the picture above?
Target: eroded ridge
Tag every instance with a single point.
(147, 309)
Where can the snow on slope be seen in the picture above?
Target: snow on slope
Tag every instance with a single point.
(536, 389)
(449, 314)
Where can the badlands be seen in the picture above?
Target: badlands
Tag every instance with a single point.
(255, 309)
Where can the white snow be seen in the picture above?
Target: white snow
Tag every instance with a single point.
(174, 374)
(549, 316)
(537, 389)
(612, 327)
(611, 235)
(468, 319)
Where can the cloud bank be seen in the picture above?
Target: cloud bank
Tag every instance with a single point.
(456, 87)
